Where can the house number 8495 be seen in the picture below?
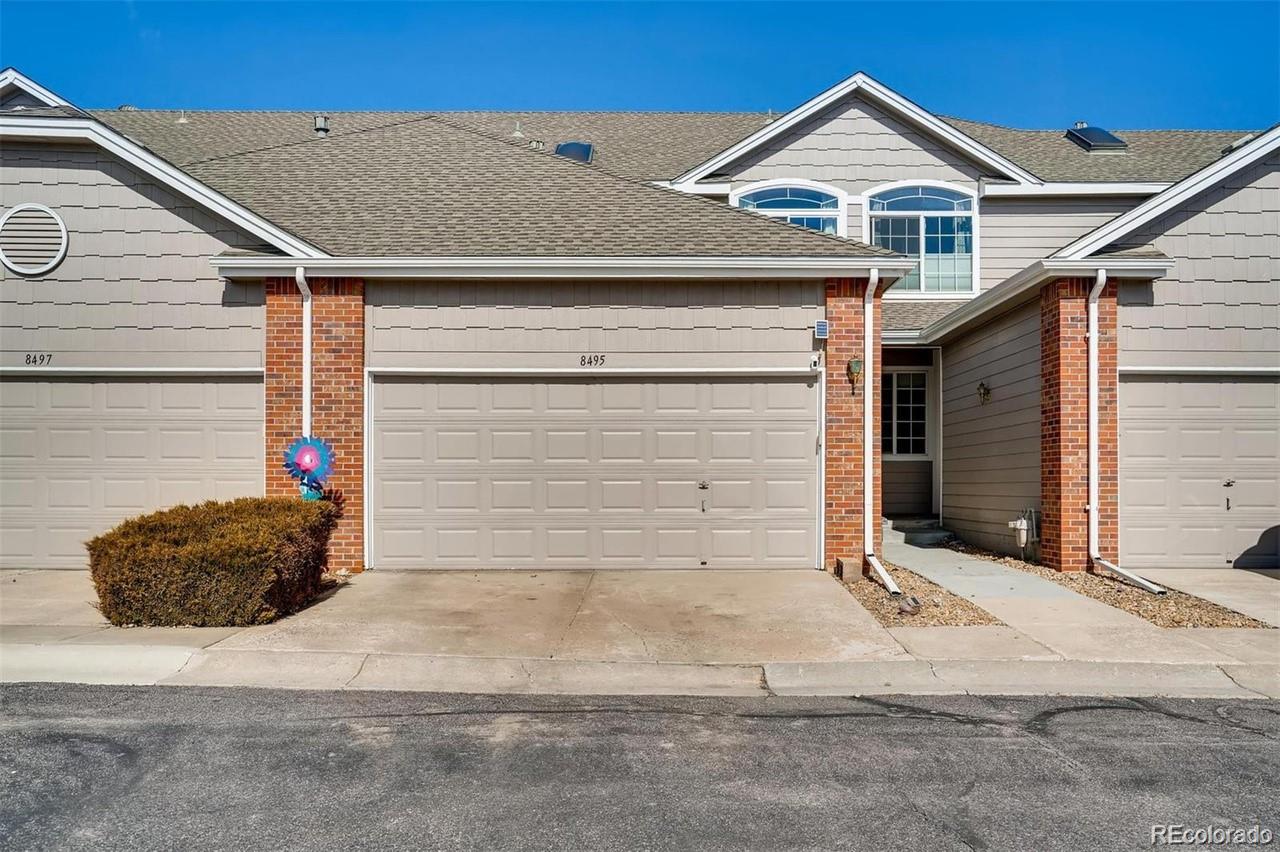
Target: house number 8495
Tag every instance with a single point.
(591, 361)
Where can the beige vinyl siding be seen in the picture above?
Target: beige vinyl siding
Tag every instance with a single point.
(1220, 306)
(552, 325)
(136, 288)
(908, 487)
(855, 146)
(1014, 232)
(991, 452)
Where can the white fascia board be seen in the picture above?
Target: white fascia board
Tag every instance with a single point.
(14, 77)
(565, 267)
(882, 95)
(88, 130)
(1020, 190)
(900, 336)
(1036, 274)
(1176, 194)
(697, 188)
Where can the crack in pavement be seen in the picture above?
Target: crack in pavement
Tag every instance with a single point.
(559, 642)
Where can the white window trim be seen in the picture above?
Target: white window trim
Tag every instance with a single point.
(929, 415)
(841, 213)
(976, 278)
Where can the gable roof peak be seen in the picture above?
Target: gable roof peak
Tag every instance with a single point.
(884, 97)
(12, 79)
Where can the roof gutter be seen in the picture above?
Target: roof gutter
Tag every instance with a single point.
(566, 267)
(1029, 280)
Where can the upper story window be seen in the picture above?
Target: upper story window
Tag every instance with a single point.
(934, 225)
(813, 207)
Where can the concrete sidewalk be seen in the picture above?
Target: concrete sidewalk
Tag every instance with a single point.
(1067, 623)
(690, 633)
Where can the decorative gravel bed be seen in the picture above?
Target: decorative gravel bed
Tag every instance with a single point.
(1174, 609)
(938, 607)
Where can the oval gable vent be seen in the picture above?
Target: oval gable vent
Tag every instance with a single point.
(33, 239)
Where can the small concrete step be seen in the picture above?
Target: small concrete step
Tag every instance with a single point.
(921, 532)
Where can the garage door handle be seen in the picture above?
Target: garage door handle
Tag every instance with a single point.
(704, 505)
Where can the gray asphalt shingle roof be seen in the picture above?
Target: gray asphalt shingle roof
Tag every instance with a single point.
(1154, 156)
(418, 185)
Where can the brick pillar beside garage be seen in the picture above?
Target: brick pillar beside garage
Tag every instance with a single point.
(1064, 424)
(337, 395)
(843, 440)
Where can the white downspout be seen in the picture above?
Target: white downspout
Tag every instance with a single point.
(868, 433)
(1095, 550)
(300, 277)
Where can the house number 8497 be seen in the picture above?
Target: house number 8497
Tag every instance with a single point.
(591, 361)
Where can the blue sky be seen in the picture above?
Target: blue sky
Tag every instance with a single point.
(1032, 64)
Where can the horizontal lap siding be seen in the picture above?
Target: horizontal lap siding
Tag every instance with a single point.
(657, 324)
(1016, 233)
(1220, 306)
(991, 462)
(136, 288)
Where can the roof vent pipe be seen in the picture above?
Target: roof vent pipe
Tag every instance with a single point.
(322, 126)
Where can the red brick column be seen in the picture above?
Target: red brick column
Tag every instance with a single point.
(1064, 424)
(337, 395)
(843, 440)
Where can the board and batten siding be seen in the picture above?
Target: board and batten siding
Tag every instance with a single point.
(991, 456)
(136, 288)
(553, 325)
(1220, 306)
(1015, 233)
(855, 146)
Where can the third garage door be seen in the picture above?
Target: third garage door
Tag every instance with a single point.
(589, 473)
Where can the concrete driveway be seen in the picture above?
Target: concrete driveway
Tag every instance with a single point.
(616, 616)
(731, 617)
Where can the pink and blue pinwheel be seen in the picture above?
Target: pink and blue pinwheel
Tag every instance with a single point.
(310, 461)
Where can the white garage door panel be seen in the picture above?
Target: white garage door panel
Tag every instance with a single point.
(77, 456)
(1180, 441)
(581, 473)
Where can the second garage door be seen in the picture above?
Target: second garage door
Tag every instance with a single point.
(584, 473)
(1200, 472)
(78, 455)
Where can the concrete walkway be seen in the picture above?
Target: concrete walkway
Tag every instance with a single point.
(692, 633)
(1065, 622)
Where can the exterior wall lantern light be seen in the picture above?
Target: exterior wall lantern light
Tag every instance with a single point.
(855, 370)
(984, 393)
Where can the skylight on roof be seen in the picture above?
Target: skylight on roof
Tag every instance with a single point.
(1095, 138)
(580, 151)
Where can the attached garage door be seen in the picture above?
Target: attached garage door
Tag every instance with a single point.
(1200, 472)
(643, 473)
(79, 455)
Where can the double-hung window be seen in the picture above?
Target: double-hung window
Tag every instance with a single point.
(805, 206)
(933, 225)
(903, 425)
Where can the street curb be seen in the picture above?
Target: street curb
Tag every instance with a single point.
(121, 664)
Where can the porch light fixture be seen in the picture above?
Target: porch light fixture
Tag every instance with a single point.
(855, 369)
(984, 393)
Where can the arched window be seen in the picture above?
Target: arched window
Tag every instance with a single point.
(933, 224)
(810, 207)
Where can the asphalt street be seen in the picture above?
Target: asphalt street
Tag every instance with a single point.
(102, 768)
